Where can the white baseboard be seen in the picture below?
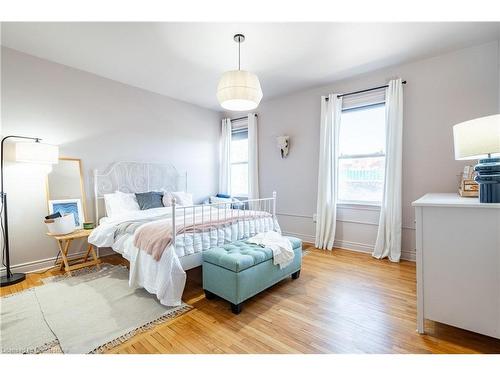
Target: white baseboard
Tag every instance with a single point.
(350, 245)
(353, 246)
(302, 236)
(44, 264)
(409, 255)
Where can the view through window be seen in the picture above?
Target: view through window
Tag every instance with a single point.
(239, 163)
(362, 155)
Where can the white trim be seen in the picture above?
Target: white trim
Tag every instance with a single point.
(350, 246)
(359, 205)
(294, 215)
(367, 248)
(45, 264)
(342, 220)
(302, 236)
(353, 246)
(361, 156)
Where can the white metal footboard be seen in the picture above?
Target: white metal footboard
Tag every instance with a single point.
(220, 217)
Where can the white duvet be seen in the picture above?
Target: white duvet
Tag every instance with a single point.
(166, 278)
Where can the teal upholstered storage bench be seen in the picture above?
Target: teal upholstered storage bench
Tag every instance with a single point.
(239, 270)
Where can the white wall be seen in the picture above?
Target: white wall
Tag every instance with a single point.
(441, 92)
(99, 121)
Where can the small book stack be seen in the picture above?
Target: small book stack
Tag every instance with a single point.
(468, 187)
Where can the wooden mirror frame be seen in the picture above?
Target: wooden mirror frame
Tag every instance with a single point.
(82, 186)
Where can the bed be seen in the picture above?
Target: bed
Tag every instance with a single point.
(158, 254)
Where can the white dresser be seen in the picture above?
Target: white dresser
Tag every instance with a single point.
(458, 262)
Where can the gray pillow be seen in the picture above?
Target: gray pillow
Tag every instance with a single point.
(151, 199)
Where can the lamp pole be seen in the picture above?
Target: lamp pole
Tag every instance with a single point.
(9, 278)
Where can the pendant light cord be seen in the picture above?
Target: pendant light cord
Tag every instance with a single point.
(239, 54)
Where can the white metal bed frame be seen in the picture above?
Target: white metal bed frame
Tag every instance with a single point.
(139, 177)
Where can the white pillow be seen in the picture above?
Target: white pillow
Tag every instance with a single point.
(118, 203)
(181, 198)
(167, 198)
(214, 199)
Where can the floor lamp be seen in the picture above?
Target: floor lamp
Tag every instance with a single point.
(31, 152)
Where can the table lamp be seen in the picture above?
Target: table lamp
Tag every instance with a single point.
(32, 152)
(480, 139)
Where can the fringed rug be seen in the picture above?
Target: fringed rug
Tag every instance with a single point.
(89, 312)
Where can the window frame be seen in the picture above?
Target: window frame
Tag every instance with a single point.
(369, 205)
(234, 130)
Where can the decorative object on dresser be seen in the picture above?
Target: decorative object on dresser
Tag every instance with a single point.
(31, 152)
(479, 139)
(458, 268)
(468, 187)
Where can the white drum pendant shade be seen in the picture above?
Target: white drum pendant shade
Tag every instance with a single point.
(239, 90)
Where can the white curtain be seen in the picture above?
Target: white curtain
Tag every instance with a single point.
(388, 242)
(253, 157)
(331, 110)
(225, 158)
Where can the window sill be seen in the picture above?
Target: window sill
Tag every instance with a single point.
(369, 206)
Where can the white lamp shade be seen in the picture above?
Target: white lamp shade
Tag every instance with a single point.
(36, 152)
(477, 138)
(239, 90)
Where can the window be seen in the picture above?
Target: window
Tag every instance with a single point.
(239, 162)
(362, 155)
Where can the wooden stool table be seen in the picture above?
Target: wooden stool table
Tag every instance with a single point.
(64, 242)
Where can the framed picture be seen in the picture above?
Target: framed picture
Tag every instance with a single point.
(68, 206)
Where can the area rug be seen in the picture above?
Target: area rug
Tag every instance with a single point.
(89, 312)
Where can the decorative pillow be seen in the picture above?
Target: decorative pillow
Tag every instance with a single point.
(182, 198)
(151, 199)
(118, 203)
(218, 199)
(167, 198)
(128, 201)
(236, 204)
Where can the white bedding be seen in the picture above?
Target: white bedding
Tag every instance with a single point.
(166, 278)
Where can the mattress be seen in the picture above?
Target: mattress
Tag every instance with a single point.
(191, 243)
(120, 230)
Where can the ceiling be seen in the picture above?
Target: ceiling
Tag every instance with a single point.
(185, 60)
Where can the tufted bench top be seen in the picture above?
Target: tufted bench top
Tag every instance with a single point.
(240, 255)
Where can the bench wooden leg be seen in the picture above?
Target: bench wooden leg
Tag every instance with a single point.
(236, 309)
(296, 275)
(209, 295)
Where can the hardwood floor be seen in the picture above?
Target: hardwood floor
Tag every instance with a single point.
(343, 302)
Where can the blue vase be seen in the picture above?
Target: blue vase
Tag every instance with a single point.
(488, 178)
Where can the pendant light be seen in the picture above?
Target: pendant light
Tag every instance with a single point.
(239, 90)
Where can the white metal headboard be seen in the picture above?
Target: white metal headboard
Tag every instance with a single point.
(136, 177)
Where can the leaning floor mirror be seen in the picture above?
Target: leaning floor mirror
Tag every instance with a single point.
(65, 190)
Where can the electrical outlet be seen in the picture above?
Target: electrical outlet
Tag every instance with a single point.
(315, 218)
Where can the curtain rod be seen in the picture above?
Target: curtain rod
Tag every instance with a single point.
(365, 90)
(241, 118)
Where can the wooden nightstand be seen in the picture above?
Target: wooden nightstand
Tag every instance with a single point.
(64, 242)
